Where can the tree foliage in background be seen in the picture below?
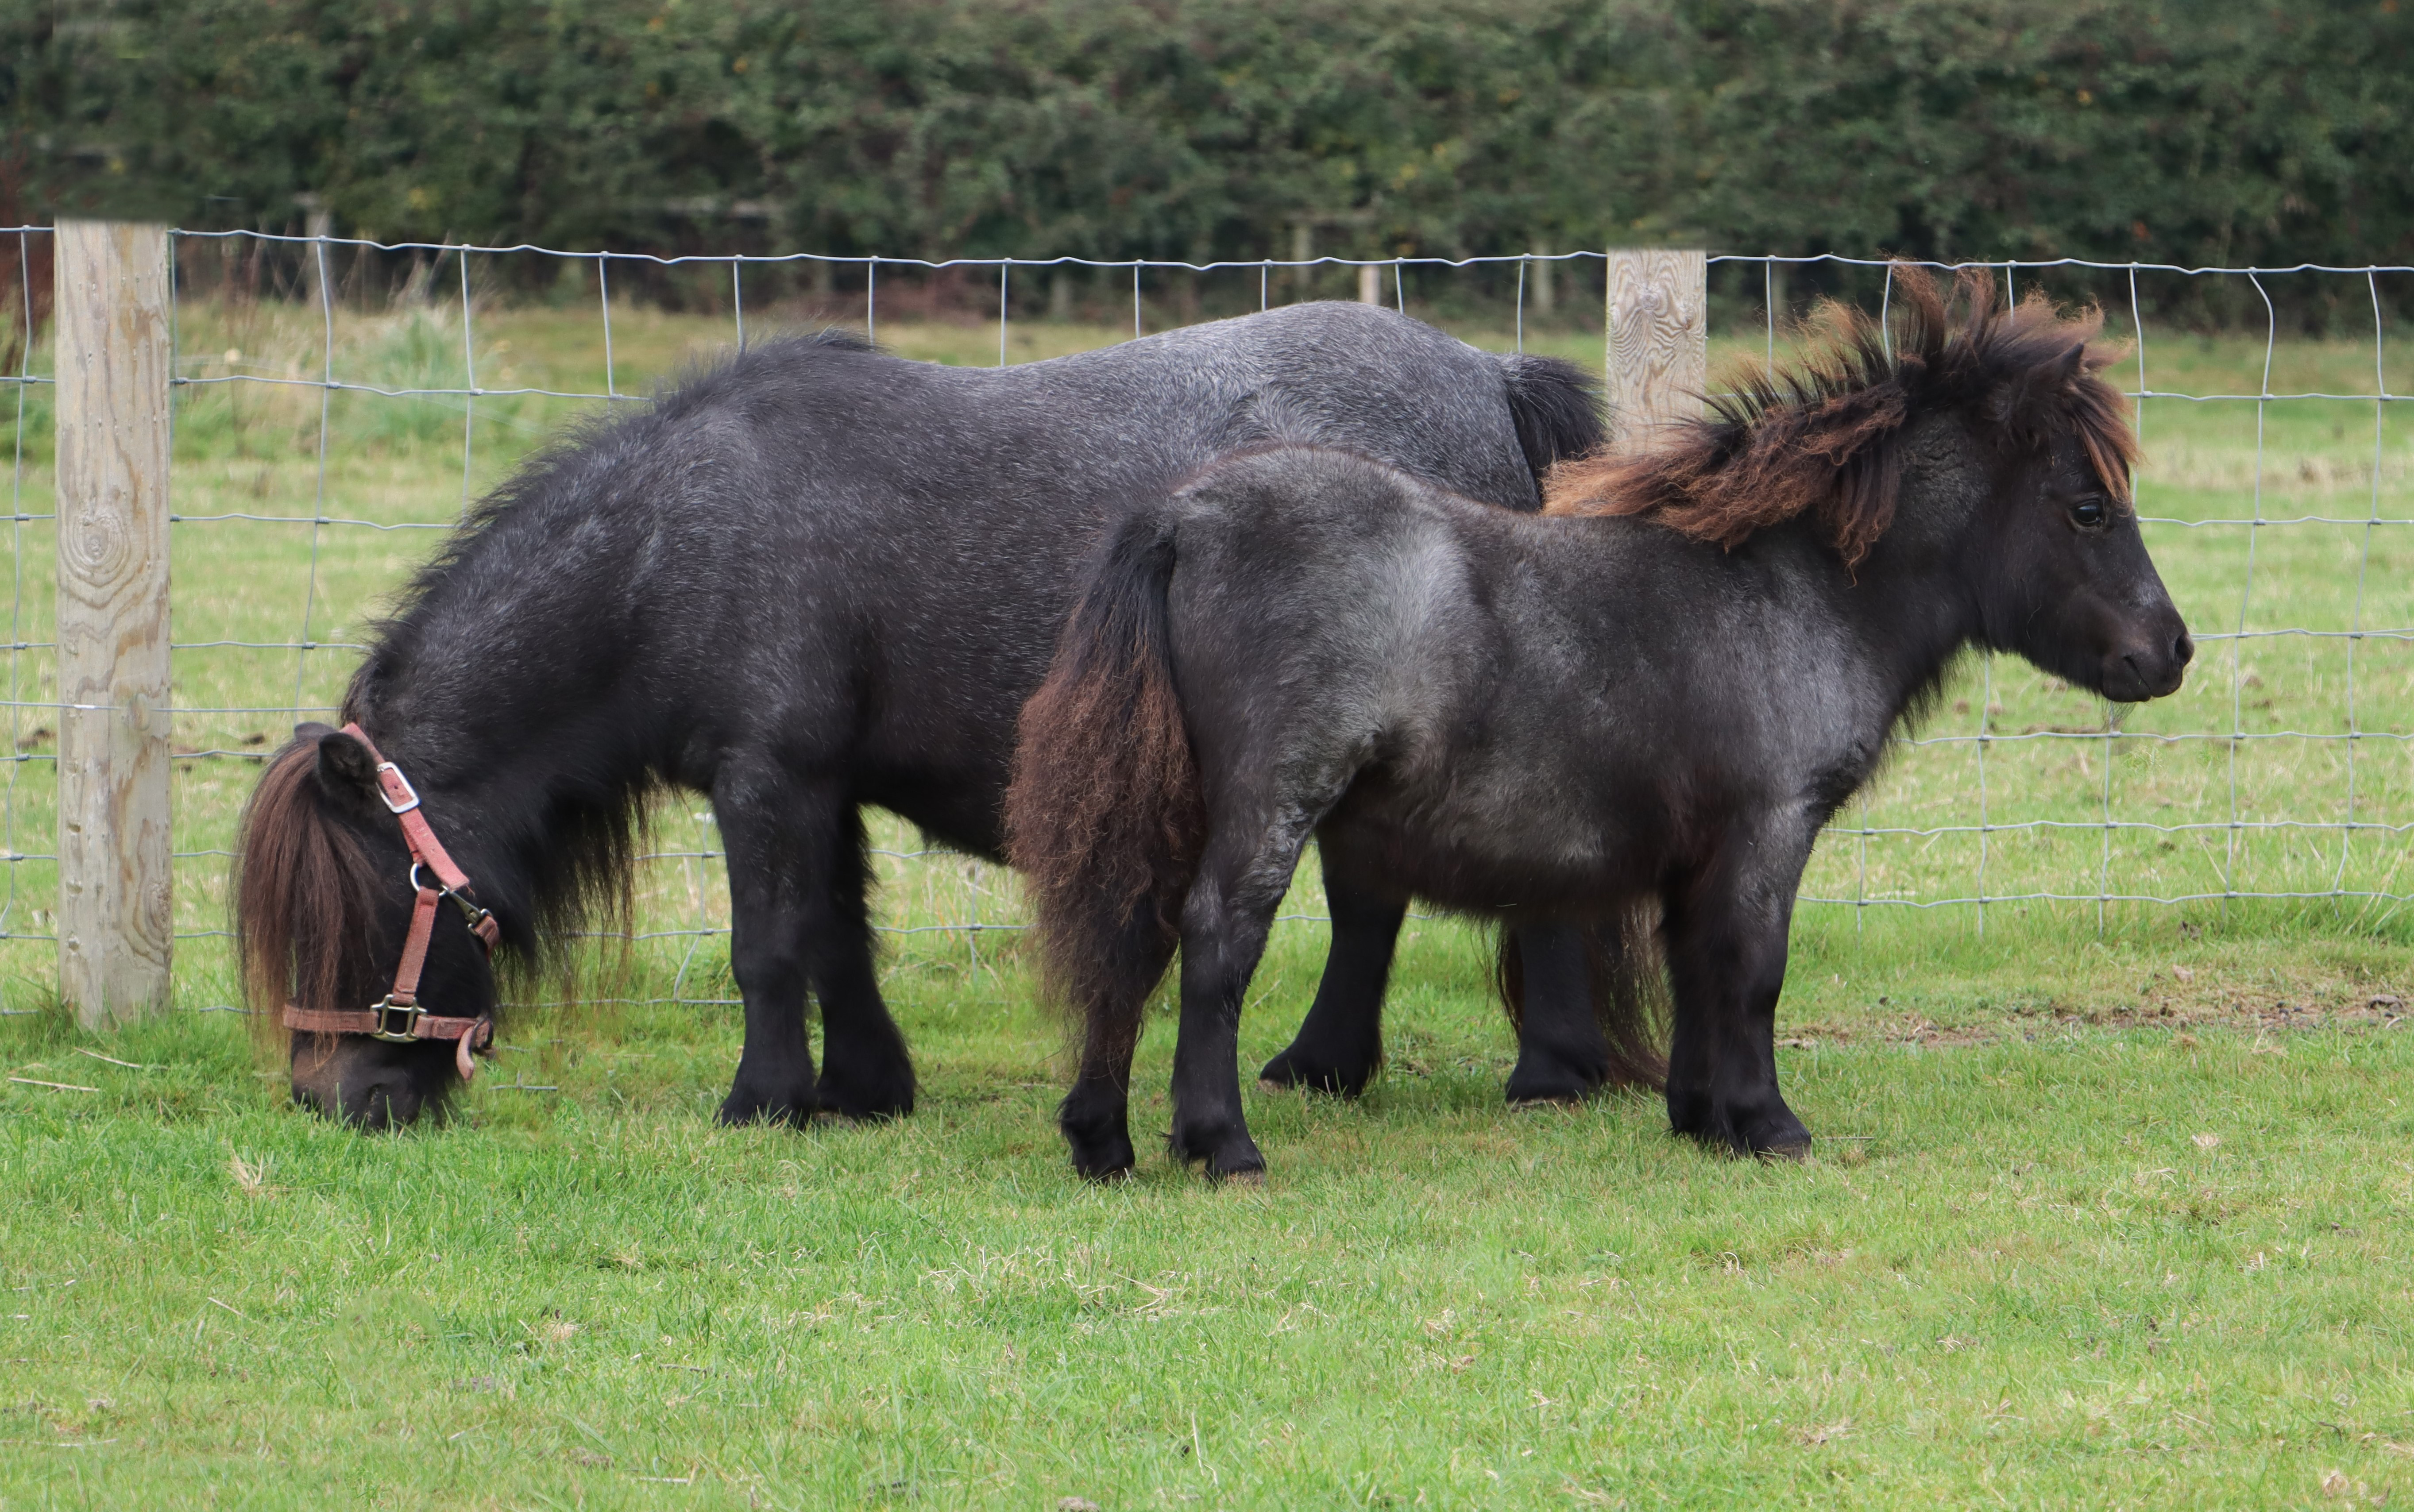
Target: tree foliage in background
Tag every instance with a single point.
(2208, 132)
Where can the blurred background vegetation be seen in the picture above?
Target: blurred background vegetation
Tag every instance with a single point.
(2212, 132)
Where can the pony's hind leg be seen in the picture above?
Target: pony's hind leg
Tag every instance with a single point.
(1224, 926)
(1562, 1055)
(794, 867)
(1112, 998)
(866, 1070)
(1340, 1044)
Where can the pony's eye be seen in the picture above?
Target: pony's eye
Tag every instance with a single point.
(2089, 514)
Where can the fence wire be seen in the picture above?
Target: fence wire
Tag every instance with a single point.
(307, 485)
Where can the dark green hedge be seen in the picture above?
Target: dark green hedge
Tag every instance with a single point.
(2197, 132)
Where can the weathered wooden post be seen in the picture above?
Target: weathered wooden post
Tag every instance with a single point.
(1659, 339)
(114, 922)
(317, 224)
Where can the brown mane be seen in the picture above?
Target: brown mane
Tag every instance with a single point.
(1822, 438)
(305, 898)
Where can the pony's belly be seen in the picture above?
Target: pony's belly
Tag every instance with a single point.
(959, 814)
(1504, 868)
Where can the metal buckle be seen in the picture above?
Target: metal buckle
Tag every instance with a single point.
(391, 804)
(386, 1008)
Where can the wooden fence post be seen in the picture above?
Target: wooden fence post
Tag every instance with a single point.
(317, 225)
(114, 920)
(1659, 339)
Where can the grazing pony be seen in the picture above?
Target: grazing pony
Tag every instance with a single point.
(1631, 715)
(814, 578)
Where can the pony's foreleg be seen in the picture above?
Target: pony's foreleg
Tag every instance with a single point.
(1726, 933)
(1561, 1053)
(1340, 1043)
(794, 860)
(1225, 922)
(775, 1066)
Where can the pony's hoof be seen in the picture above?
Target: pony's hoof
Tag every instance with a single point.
(1237, 1162)
(863, 1106)
(1762, 1127)
(1779, 1137)
(1103, 1169)
(1551, 1086)
(1104, 1156)
(1225, 1146)
(1288, 1072)
(1545, 1104)
(868, 1083)
(740, 1109)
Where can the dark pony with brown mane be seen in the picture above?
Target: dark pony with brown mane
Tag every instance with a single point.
(814, 579)
(1813, 440)
(1630, 717)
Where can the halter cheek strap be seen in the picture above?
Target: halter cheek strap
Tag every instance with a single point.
(398, 1018)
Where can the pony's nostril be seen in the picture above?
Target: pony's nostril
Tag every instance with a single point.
(380, 1104)
(2184, 650)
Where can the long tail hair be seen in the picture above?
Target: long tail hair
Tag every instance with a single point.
(1626, 975)
(1104, 815)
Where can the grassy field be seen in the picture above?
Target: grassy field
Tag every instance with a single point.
(2110, 1211)
(2145, 1262)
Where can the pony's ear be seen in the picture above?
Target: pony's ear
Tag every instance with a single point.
(2074, 367)
(2022, 399)
(346, 772)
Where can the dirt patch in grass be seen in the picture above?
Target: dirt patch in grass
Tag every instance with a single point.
(2180, 1000)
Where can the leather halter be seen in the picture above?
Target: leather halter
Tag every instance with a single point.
(398, 1018)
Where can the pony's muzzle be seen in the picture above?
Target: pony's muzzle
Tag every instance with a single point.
(2152, 670)
(365, 1083)
(383, 1103)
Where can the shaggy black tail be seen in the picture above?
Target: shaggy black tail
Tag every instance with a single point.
(1104, 815)
(1556, 406)
(1626, 974)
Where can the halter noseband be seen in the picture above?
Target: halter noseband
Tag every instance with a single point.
(398, 1018)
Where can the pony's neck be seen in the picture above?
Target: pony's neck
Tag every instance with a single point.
(1912, 615)
(533, 798)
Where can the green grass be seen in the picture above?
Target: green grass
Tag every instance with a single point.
(2020, 1279)
(2045, 1264)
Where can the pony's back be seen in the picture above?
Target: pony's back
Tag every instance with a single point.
(817, 526)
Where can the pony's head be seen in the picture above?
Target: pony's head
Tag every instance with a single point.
(323, 895)
(1969, 437)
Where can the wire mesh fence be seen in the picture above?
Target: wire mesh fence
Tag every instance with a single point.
(340, 404)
